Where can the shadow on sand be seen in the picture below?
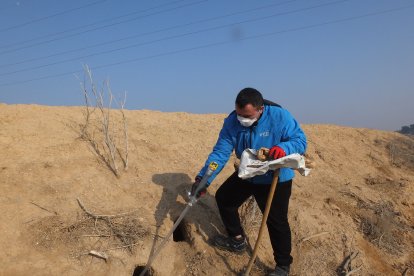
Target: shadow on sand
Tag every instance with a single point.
(204, 214)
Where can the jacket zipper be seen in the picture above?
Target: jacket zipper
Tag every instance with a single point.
(251, 137)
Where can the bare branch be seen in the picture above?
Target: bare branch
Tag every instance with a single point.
(405, 272)
(314, 236)
(43, 208)
(346, 268)
(102, 216)
(124, 121)
(101, 255)
(354, 271)
(108, 150)
(124, 246)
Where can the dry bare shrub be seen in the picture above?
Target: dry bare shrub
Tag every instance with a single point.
(380, 226)
(105, 131)
(401, 152)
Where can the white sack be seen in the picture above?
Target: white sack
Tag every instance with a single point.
(251, 166)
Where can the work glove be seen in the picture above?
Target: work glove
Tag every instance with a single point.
(276, 152)
(263, 154)
(200, 193)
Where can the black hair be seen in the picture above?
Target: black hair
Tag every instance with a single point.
(249, 96)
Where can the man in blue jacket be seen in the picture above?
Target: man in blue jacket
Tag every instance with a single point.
(256, 123)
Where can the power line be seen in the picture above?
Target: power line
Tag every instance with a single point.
(91, 24)
(51, 16)
(218, 44)
(176, 36)
(102, 27)
(258, 36)
(147, 33)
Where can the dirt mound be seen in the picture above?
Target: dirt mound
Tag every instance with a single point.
(353, 213)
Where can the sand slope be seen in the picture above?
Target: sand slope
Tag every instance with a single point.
(359, 198)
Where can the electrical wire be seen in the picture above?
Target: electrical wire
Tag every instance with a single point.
(346, 19)
(102, 27)
(175, 36)
(147, 33)
(106, 20)
(51, 16)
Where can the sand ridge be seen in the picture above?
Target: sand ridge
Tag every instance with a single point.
(359, 198)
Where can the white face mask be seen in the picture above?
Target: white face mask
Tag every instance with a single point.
(246, 122)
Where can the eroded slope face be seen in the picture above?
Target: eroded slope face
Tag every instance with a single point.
(359, 198)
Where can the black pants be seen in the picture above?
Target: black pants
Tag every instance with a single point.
(234, 191)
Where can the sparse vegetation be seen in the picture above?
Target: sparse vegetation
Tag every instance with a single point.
(123, 231)
(380, 226)
(102, 130)
(401, 151)
(355, 200)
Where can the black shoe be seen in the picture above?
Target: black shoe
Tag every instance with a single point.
(280, 270)
(230, 244)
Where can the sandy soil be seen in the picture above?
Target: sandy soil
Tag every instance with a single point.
(358, 199)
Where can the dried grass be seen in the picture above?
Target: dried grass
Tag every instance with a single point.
(88, 233)
(401, 152)
(380, 226)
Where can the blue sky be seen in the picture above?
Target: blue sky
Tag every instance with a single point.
(338, 62)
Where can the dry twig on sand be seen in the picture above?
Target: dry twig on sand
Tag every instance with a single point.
(346, 269)
(124, 246)
(116, 226)
(102, 216)
(405, 273)
(314, 236)
(98, 254)
(43, 208)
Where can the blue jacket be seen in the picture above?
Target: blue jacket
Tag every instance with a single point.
(276, 126)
